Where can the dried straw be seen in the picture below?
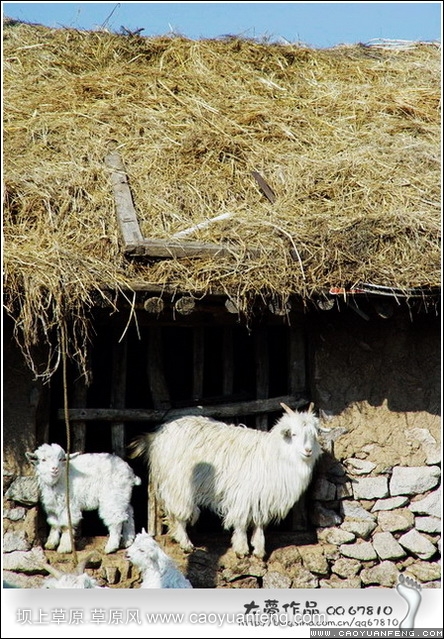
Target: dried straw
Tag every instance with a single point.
(348, 138)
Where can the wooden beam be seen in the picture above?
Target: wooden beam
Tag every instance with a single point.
(126, 214)
(161, 401)
(170, 248)
(296, 361)
(118, 392)
(198, 362)
(262, 366)
(219, 411)
(156, 374)
(79, 427)
(228, 361)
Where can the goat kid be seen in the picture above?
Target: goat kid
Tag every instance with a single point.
(157, 569)
(97, 481)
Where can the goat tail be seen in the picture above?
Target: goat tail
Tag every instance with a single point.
(140, 446)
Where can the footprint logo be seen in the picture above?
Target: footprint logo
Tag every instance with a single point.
(409, 589)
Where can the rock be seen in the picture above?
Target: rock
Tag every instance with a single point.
(413, 480)
(14, 514)
(395, 520)
(335, 536)
(246, 582)
(336, 582)
(359, 466)
(428, 444)
(288, 557)
(324, 517)
(112, 575)
(363, 551)
(313, 559)
(304, 579)
(274, 579)
(15, 541)
(391, 503)
(353, 510)
(370, 487)
(25, 561)
(346, 567)
(430, 505)
(417, 544)
(24, 490)
(387, 547)
(428, 524)
(384, 574)
(424, 571)
(20, 580)
(362, 529)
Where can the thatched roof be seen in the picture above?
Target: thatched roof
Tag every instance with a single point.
(347, 138)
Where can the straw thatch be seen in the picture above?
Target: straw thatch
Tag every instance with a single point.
(347, 138)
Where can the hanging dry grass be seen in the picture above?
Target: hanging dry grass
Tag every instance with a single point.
(348, 139)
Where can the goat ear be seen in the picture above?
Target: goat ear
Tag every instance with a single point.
(287, 409)
(286, 433)
(31, 457)
(143, 531)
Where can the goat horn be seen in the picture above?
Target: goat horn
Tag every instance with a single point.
(53, 571)
(287, 409)
(311, 407)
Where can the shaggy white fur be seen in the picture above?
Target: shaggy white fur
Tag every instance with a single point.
(248, 477)
(158, 570)
(97, 481)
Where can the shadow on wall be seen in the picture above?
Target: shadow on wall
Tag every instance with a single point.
(393, 360)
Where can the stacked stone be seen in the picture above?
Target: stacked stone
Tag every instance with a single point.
(382, 524)
(22, 558)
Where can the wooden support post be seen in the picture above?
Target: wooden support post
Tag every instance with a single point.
(296, 361)
(118, 392)
(78, 436)
(228, 361)
(262, 389)
(198, 362)
(161, 401)
(296, 387)
(156, 374)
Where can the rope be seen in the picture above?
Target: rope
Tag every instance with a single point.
(68, 436)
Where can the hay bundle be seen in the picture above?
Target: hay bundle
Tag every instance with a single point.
(347, 138)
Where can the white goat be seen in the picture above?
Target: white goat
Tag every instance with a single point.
(248, 477)
(78, 579)
(96, 481)
(158, 570)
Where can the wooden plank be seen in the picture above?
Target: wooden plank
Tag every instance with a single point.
(228, 361)
(118, 392)
(126, 214)
(219, 411)
(155, 369)
(198, 362)
(79, 400)
(296, 386)
(296, 361)
(161, 401)
(262, 366)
